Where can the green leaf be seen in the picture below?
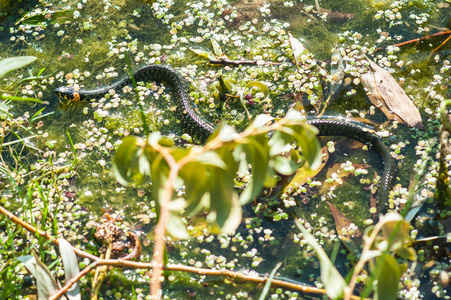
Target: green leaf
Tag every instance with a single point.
(294, 115)
(177, 204)
(298, 49)
(211, 158)
(24, 99)
(370, 254)
(165, 141)
(130, 165)
(268, 283)
(284, 165)
(225, 212)
(261, 120)
(176, 227)
(224, 133)
(39, 115)
(12, 63)
(159, 170)
(279, 143)
(40, 72)
(45, 283)
(311, 148)
(194, 176)
(388, 279)
(337, 68)
(257, 154)
(395, 227)
(35, 20)
(305, 136)
(154, 138)
(71, 268)
(216, 48)
(407, 253)
(333, 281)
(202, 53)
(143, 164)
(263, 87)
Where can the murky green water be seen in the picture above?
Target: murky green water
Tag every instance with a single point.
(89, 44)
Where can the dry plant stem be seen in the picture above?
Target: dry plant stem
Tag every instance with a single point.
(71, 282)
(100, 275)
(46, 235)
(2, 139)
(136, 249)
(249, 278)
(423, 38)
(228, 62)
(442, 44)
(418, 40)
(361, 263)
(165, 214)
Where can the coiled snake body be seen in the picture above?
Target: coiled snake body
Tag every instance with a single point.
(195, 125)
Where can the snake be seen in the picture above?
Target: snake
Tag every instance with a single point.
(196, 125)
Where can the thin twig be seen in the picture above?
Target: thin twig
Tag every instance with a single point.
(230, 62)
(246, 277)
(101, 274)
(71, 282)
(361, 263)
(416, 40)
(136, 247)
(348, 293)
(442, 44)
(46, 235)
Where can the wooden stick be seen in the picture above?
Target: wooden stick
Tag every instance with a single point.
(228, 62)
(442, 44)
(46, 235)
(71, 282)
(417, 40)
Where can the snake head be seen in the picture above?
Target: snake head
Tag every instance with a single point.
(68, 93)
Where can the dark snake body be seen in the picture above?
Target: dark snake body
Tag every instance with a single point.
(197, 126)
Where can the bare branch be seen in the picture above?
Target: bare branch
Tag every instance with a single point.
(229, 62)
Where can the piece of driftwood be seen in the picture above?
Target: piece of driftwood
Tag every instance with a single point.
(387, 95)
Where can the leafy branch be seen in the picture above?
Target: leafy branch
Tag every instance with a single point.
(207, 173)
(388, 237)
